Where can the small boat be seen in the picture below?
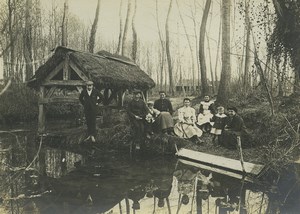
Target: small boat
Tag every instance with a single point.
(221, 163)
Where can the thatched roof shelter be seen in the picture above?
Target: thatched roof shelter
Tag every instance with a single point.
(105, 69)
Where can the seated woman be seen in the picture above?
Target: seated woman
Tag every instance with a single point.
(151, 118)
(164, 121)
(185, 127)
(234, 126)
(206, 112)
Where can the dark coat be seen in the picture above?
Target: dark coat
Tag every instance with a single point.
(163, 105)
(235, 123)
(137, 108)
(89, 102)
(90, 107)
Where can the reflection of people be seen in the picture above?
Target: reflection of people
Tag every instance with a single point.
(90, 98)
(162, 190)
(219, 120)
(206, 112)
(136, 194)
(165, 120)
(185, 127)
(137, 111)
(186, 178)
(234, 125)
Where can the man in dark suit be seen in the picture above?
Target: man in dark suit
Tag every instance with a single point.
(90, 98)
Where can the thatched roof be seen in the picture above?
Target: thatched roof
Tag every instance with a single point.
(105, 69)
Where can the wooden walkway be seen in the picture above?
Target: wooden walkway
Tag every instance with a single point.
(220, 162)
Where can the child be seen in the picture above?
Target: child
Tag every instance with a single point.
(219, 123)
(150, 117)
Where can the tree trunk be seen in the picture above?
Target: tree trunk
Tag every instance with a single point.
(94, 29)
(169, 60)
(211, 69)
(134, 34)
(223, 91)
(121, 29)
(28, 41)
(11, 39)
(246, 80)
(217, 57)
(204, 85)
(162, 47)
(125, 33)
(64, 35)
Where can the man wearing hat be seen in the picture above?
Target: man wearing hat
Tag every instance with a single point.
(234, 125)
(90, 98)
(137, 111)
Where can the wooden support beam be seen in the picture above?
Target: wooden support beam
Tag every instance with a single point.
(64, 82)
(78, 71)
(55, 71)
(120, 97)
(59, 100)
(50, 92)
(66, 72)
(42, 113)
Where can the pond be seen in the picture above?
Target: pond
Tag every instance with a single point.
(39, 179)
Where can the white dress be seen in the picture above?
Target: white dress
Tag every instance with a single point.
(207, 115)
(184, 130)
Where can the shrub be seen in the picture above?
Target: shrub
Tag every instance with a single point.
(18, 103)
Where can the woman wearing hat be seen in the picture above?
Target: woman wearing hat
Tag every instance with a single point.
(137, 111)
(234, 125)
(90, 98)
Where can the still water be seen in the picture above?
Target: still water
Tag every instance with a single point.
(39, 179)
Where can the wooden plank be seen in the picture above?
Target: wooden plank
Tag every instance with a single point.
(64, 82)
(55, 71)
(50, 92)
(215, 169)
(219, 161)
(78, 71)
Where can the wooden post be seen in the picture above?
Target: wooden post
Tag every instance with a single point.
(120, 97)
(66, 73)
(145, 93)
(41, 118)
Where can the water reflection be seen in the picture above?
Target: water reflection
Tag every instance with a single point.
(60, 181)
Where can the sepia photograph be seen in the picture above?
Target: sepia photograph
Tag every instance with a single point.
(149, 106)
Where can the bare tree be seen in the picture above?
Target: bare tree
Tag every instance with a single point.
(204, 85)
(162, 47)
(125, 33)
(169, 60)
(223, 91)
(246, 80)
(134, 34)
(94, 29)
(190, 45)
(64, 26)
(28, 40)
(121, 28)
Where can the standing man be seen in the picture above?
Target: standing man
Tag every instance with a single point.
(164, 121)
(137, 111)
(90, 98)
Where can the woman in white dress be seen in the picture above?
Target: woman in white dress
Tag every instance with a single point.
(186, 127)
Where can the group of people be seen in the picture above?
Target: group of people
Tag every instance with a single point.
(157, 116)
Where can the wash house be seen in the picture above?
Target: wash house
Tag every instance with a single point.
(63, 77)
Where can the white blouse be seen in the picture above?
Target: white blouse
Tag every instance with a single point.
(187, 114)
